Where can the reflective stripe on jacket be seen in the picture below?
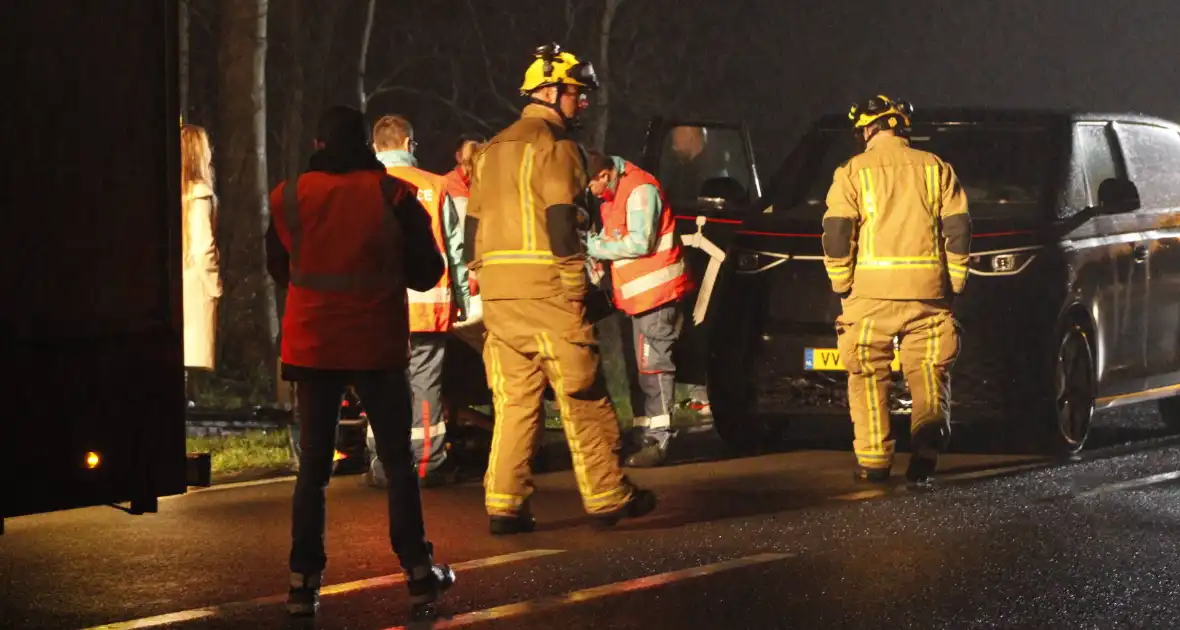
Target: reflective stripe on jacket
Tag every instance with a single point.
(346, 298)
(653, 280)
(896, 226)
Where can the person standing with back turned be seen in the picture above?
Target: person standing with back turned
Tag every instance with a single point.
(432, 313)
(347, 240)
(523, 243)
(896, 236)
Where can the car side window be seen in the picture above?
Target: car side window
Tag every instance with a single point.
(1153, 163)
(1095, 159)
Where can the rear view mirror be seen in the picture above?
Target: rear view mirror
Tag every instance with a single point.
(1118, 195)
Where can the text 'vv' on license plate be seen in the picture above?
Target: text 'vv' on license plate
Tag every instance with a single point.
(828, 359)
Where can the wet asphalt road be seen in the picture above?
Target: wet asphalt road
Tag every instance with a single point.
(776, 541)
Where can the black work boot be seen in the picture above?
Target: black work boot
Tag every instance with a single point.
(926, 442)
(426, 585)
(651, 454)
(641, 503)
(871, 475)
(521, 523)
(444, 474)
(303, 598)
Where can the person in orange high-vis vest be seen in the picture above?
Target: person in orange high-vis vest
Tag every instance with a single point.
(433, 313)
(648, 280)
(346, 240)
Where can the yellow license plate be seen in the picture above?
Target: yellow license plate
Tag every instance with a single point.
(828, 359)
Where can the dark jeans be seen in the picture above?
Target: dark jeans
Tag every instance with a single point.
(386, 395)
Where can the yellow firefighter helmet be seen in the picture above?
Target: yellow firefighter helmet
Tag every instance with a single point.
(881, 106)
(553, 66)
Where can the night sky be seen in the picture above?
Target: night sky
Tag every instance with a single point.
(796, 61)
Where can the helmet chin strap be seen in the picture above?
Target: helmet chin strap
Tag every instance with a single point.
(570, 123)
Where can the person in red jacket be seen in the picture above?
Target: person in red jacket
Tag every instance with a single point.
(648, 279)
(347, 240)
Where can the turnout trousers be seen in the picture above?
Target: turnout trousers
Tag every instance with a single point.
(928, 344)
(532, 342)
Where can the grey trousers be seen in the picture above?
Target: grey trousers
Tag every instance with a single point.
(655, 332)
(429, 432)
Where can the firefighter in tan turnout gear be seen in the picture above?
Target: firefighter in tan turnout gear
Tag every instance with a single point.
(524, 246)
(896, 240)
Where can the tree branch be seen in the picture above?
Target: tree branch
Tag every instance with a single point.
(365, 37)
(452, 103)
(499, 98)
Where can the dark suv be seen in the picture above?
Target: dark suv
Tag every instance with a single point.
(1073, 302)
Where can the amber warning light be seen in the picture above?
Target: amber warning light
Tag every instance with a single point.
(92, 460)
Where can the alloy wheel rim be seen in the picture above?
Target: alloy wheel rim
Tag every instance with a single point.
(1074, 384)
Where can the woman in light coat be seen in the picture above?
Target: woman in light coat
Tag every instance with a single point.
(202, 274)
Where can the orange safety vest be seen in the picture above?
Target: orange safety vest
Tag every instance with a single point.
(346, 302)
(641, 284)
(433, 310)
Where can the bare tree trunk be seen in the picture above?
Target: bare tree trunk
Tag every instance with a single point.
(292, 132)
(360, 73)
(315, 63)
(246, 309)
(602, 120)
(258, 96)
(183, 47)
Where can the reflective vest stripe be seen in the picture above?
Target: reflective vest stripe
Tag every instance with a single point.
(316, 281)
(652, 280)
(437, 295)
(665, 243)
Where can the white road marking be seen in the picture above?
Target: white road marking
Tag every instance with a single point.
(333, 589)
(630, 586)
(229, 486)
(1133, 483)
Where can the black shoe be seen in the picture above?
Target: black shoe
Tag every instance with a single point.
(920, 469)
(509, 525)
(427, 584)
(871, 475)
(926, 443)
(650, 455)
(303, 598)
(642, 503)
(445, 474)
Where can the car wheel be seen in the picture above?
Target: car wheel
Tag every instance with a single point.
(741, 428)
(1073, 392)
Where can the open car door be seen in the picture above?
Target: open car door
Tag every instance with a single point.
(94, 409)
(708, 173)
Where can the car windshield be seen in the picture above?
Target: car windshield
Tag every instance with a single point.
(1003, 170)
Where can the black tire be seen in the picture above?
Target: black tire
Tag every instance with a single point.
(1170, 412)
(743, 430)
(1070, 410)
